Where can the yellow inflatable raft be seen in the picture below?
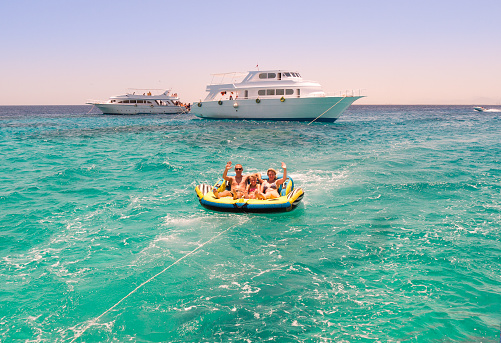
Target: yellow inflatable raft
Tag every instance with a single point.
(289, 198)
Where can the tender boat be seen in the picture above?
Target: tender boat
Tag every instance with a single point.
(270, 95)
(479, 109)
(145, 103)
(289, 198)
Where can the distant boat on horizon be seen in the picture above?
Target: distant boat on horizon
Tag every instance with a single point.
(482, 109)
(270, 95)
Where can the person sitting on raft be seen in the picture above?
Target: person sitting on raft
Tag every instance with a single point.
(253, 189)
(270, 186)
(238, 183)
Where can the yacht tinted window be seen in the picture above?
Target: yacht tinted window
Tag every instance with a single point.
(261, 92)
(287, 74)
(289, 91)
(298, 75)
(272, 75)
(280, 92)
(263, 75)
(270, 92)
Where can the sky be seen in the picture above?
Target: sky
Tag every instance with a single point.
(397, 52)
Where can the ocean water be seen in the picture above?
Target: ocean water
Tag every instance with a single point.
(397, 239)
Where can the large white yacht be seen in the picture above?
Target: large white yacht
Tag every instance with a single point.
(144, 102)
(270, 95)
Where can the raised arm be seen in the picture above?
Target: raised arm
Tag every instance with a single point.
(225, 173)
(282, 180)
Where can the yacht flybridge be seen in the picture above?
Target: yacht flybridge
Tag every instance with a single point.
(270, 95)
(144, 102)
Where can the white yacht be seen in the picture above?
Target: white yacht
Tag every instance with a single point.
(141, 101)
(270, 95)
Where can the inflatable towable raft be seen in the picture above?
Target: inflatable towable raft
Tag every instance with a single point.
(289, 198)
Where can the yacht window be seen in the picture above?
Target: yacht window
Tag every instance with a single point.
(140, 101)
(280, 76)
(126, 101)
(298, 75)
(298, 93)
(261, 92)
(132, 101)
(289, 91)
(280, 92)
(263, 76)
(246, 94)
(287, 74)
(270, 92)
(272, 75)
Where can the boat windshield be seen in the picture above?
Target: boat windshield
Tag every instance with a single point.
(225, 78)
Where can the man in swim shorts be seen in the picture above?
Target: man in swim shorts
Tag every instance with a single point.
(238, 182)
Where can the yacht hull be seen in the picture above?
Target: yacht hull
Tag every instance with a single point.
(326, 109)
(139, 109)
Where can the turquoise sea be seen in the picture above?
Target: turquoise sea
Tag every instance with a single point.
(398, 237)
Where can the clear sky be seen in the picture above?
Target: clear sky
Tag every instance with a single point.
(399, 52)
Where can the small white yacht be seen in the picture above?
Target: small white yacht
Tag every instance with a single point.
(479, 109)
(270, 95)
(142, 103)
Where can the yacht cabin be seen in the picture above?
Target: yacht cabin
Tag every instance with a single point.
(144, 102)
(263, 85)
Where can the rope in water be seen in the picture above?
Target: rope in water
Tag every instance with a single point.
(95, 320)
(91, 109)
(183, 111)
(327, 110)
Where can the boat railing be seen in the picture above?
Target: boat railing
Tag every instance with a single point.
(95, 102)
(341, 94)
(148, 91)
(347, 93)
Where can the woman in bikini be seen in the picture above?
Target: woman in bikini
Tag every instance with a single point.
(270, 186)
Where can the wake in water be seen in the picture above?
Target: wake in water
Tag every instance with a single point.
(483, 109)
(96, 320)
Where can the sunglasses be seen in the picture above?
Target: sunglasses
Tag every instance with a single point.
(239, 168)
